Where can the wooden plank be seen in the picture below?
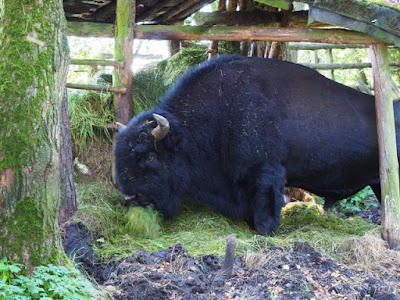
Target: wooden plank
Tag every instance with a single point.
(337, 66)
(252, 33)
(96, 62)
(89, 29)
(152, 12)
(122, 77)
(388, 160)
(318, 46)
(89, 87)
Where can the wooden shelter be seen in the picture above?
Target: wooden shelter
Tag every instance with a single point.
(373, 23)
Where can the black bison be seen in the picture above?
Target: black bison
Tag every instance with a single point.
(235, 131)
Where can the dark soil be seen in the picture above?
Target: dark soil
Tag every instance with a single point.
(302, 273)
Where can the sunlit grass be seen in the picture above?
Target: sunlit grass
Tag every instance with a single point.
(203, 231)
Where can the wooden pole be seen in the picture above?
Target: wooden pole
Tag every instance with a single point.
(251, 33)
(96, 62)
(96, 88)
(213, 50)
(389, 165)
(338, 66)
(122, 76)
(233, 33)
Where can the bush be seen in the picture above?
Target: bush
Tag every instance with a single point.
(47, 282)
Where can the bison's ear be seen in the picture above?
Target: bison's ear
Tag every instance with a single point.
(120, 126)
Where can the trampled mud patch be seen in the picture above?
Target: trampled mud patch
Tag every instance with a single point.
(299, 273)
(302, 273)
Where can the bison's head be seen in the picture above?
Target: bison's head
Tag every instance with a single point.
(149, 168)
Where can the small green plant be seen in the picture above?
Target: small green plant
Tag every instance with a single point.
(47, 282)
(357, 202)
(8, 269)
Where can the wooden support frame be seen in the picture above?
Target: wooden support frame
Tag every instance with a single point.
(96, 62)
(252, 33)
(233, 33)
(122, 76)
(89, 87)
(337, 66)
(388, 160)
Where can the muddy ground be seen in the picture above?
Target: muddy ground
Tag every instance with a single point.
(301, 273)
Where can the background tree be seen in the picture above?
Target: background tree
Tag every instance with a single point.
(34, 176)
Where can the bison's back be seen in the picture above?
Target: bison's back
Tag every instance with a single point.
(252, 111)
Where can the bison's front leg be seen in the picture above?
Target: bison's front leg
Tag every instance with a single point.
(269, 200)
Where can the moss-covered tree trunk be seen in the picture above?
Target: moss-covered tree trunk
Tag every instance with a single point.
(33, 69)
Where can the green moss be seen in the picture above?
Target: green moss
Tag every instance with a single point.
(29, 58)
(385, 3)
(26, 77)
(122, 33)
(26, 231)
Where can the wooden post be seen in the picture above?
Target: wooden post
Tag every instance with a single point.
(122, 77)
(213, 50)
(389, 165)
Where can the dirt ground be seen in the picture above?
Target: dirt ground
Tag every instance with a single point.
(301, 273)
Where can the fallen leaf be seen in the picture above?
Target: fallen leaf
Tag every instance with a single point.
(336, 274)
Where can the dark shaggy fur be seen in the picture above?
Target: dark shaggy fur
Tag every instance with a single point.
(244, 128)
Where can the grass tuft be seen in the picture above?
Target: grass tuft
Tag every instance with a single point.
(143, 222)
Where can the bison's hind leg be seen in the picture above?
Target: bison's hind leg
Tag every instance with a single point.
(269, 200)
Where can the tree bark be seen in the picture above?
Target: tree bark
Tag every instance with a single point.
(68, 203)
(33, 70)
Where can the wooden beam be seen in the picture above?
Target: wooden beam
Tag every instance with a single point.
(236, 33)
(336, 66)
(154, 9)
(252, 33)
(89, 87)
(122, 77)
(96, 62)
(89, 29)
(297, 19)
(173, 11)
(192, 9)
(388, 160)
(318, 46)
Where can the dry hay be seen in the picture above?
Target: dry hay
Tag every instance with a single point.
(370, 253)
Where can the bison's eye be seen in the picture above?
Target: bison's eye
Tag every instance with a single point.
(150, 158)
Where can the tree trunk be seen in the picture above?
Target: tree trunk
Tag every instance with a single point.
(33, 69)
(68, 203)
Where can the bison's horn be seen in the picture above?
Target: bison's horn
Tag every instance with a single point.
(162, 129)
(120, 126)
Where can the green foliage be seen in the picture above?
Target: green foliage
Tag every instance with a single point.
(8, 269)
(47, 282)
(358, 202)
(89, 114)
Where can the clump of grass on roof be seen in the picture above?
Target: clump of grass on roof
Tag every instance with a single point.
(182, 62)
(203, 231)
(148, 87)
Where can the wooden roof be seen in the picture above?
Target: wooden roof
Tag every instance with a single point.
(147, 11)
(379, 20)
